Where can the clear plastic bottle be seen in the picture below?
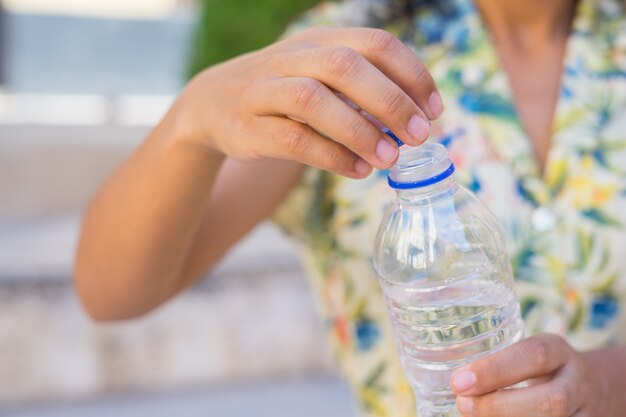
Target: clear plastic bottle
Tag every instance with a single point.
(442, 263)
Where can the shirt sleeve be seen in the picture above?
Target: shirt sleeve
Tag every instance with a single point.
(389, 14)
(294, 212)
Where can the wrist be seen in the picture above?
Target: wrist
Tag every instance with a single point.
(181, 130)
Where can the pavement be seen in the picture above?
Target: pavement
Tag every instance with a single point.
(317, 396)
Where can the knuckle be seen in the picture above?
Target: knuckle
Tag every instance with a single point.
(420, 75)
(308, 94)
(357, 129)
(273, 60)
(252, 95)
(558, 402)
(394, 101)
(382, 41)
(538, 351)
(293, 140)
(342, 61)
(496, 369)
(335, 158)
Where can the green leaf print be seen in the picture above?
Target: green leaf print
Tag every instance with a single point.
(558, 269)
(372, 379)
(605, 286)
(525, 190)
(527, 304)
(557, 177)
(602, 153)
(321, 214)
(522, 258)
(584, 245)
(578, 316)
(359, 308)
(372, 401)
(357, 221)
(569, 119)
(612, 146)
(600, 217)
(370, 392)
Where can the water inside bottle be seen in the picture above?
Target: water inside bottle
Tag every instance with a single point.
(439, 330)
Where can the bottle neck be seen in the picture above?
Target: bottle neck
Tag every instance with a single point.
(422, 169)
(432, 193)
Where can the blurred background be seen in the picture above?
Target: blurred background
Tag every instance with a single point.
(81, 82)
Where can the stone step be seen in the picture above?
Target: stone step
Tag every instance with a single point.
(43, 250)
(51, 350)
(248, 319)
(253, 317)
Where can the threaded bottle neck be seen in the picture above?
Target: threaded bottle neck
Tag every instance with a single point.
(421, 166)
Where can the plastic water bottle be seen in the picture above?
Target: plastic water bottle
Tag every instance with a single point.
(441, 260)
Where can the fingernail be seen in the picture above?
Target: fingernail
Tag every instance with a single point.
(418, 128)
(435, 104)
(465, 405)
(463, 380)
(362, 168)
(385, 151)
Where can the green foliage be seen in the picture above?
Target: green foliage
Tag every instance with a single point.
(227, 28)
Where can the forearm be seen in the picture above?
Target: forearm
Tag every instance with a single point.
(140, 226)
(151, 229)
(609, 374)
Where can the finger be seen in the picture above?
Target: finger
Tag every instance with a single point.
(348, 72)
(293, 140)
(365, 114)
(394, 59)
(312, 102)
(530, 358)
(372, 120)
(558, 398)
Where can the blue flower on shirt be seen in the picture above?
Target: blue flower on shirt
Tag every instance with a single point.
(603, 311)
(367, 334)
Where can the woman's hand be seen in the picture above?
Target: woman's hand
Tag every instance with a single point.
(174, 208)
(561, 382)
(281, 101)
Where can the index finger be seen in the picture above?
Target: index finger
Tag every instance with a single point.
(530, 358)
(345, 70)
(392, 57)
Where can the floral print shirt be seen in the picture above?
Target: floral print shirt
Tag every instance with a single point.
(566, 227)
